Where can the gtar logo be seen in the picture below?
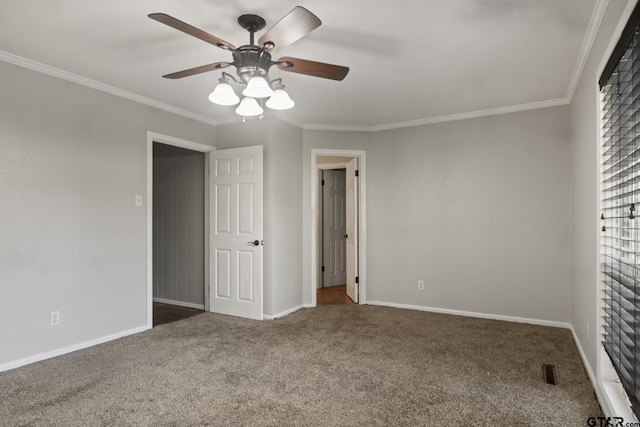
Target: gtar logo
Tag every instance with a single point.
(605, 421)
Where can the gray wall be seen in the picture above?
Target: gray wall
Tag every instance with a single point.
(585, 118)
(72, 160)
(282, 205)
(286, 223)
(178, 224)
(479, 209)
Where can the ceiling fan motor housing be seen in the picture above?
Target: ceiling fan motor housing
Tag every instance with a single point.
(250, 59)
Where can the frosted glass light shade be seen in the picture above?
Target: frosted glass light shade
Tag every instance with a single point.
(249, 107)
(280, 100)
(223, 94)
(257, 88)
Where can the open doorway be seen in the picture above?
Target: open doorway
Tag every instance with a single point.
(177, 228)
(178, 233)
(338, 232)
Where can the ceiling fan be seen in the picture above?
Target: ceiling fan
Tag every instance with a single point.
(253, 61)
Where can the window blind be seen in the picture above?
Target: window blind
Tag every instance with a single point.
(620, 202)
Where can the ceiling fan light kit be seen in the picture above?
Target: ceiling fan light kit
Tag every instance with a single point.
(224, 94)
(252, 62)
(249, 107)
(257, 87)
(280, 100)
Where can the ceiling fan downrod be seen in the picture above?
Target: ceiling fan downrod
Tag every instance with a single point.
(252, 23)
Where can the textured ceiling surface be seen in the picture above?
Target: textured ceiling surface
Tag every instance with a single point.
(410, 59)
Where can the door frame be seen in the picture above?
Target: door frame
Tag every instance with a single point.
(316, 217)
(190, 145)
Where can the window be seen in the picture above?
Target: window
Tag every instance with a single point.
(620, 204)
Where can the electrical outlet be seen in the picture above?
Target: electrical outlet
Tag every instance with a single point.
(54, 318)
(421, 285)
(138, 200)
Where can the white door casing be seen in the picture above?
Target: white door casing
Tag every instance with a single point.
(352, 229)
(312, 266)
(236, 222)
(334, 227)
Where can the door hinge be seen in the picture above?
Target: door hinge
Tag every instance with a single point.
(323, 268)
(323, 182)
(357, 279)
(357, 172)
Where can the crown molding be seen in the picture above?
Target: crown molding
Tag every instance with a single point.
(587, 45)
(474, 114)
(441, 119)
(338, 128)
(74, 78)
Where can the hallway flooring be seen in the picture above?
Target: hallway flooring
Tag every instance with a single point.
(333, 295)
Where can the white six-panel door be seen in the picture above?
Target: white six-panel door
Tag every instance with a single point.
(236, 232)
(352, 229)
(333, 228)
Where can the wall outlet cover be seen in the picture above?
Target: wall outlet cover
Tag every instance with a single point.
(54, 318)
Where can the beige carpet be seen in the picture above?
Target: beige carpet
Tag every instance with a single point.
(327, 366)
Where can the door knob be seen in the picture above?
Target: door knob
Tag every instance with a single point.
(254, 243)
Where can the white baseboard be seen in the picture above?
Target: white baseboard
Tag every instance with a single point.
(601, 395)
(69, 349)
(180, 303)
(610, 395)
(473, 314)
(284, 313)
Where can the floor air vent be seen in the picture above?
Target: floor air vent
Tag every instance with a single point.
(549, 374)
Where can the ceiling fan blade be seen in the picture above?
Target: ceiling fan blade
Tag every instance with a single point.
(312, 68)
(197, 70)
(296, 24)
(191, 30)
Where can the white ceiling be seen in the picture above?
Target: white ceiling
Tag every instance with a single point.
(410, 60)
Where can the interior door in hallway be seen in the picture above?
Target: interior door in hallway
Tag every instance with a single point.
(334, 228)
(236, 240)
(352, 229)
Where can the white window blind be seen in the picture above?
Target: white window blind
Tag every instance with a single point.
(620, 197)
